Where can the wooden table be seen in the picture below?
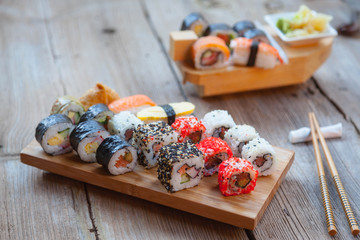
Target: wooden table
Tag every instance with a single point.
(53, 48)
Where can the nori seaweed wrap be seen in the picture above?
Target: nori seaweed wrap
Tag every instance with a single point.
(241, 27)
(99, 112)
(116, 155)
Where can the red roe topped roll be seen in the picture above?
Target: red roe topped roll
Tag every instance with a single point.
(215, 151)
(236, 176)
(189, 128)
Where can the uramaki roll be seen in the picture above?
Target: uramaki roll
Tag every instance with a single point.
(210, 52)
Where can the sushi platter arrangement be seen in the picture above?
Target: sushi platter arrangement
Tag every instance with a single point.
(212, 167)
(220, 59)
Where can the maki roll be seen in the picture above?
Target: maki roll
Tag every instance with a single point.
(70, 107)
(53, 134)
(261, 155)
(166, 113)
(116, 155)
(99, 112)
(241, 27)
(180, 166)
(86, 138)
(256, 35)
(124, 124)
(189, 128)
(149, 138)
(217, 122)
(236, 176)
(215, 151)
(221, 30)
(247, 52)
(238, 136)
(195, 22)
(210, 52)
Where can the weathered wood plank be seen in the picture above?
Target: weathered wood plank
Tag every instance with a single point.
(27, 69)
(129, 59)
(39, 205)
(297, 207)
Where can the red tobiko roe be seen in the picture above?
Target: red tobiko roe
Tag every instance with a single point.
(230, 167)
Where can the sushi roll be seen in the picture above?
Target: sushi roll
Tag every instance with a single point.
(99, 112)
(189, 128)
(133, 104)
(180, 166)
(217, 122)
(221, 30)
(124, 124)
(53, 134)
(236, 176)
(195, 22)
(238, 136)
(210, 52)
(261, 155)
(247, 52)
(241, 27)
(69, 106)
(166, 113)
(149, 138)
(256, 35)
(86, 138)
(116, 155)
(215, 151)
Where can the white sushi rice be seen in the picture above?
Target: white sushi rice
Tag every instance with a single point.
(215, 119)
(123, 121)
(175, 181)
(121, 170)
(258, 147)
(239, 134)
(93, 137)
(62, 148)
(221, 62)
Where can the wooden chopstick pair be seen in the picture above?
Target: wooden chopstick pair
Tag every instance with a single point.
(315, 129)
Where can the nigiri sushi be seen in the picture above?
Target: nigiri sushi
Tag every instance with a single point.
(132, 103)
(247, 52)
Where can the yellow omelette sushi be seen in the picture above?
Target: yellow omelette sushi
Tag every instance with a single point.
(166, 113)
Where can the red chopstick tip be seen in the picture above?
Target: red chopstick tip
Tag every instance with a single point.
(332, 231)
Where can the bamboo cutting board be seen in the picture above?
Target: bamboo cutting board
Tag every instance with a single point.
(205, 200)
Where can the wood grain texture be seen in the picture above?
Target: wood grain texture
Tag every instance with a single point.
(303, 62)
(296, 210)
(39, 205)
(204, 200)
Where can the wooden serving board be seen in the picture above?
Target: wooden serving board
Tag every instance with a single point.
(303, 62)
(205, 199)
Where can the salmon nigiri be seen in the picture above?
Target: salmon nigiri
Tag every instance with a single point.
(132, 103)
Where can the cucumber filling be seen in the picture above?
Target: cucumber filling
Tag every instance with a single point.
(59, 138)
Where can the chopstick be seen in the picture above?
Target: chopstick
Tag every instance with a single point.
(323, 186)
(335, 175)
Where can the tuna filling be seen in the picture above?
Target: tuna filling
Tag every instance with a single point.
(220, 132)
(195, 137)
(209, 57)
(261, 160)
(129, 134)
(124, 160)
(187, 173)
(240, 180)
(156, 148)
(215, 160)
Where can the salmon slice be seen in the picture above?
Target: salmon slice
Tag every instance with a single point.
(131, 102)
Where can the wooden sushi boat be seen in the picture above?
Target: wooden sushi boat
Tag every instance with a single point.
(303, 62)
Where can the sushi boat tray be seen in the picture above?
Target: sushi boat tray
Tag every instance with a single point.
(303, 62)
(205, 199)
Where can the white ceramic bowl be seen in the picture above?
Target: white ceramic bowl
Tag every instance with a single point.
(301, 40)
